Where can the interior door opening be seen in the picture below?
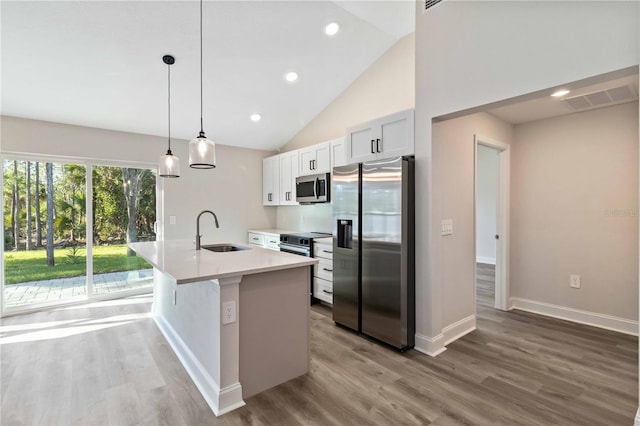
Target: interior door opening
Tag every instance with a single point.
(491, 223)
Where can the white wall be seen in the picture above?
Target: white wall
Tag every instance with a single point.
(307, 218)
(574, 210)
(453, 196)
(233, 189)
(486, 204)
(472, 53)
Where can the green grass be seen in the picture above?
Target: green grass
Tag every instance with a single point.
(23, 266)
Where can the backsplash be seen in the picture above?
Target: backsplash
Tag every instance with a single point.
(305, 218)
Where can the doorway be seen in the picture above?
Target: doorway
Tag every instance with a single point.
(491, 223)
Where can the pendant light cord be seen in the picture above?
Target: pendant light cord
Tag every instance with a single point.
(169, 102)
(201, 109)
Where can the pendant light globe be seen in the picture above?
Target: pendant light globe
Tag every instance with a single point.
(202, 151)
(169, 166)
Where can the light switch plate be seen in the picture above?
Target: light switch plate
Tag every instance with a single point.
(447, 226)
(172, 220)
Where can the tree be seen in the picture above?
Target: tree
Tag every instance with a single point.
(16, 207)
(49, 171)
(38, 218)
(132, 180)
(28, 204)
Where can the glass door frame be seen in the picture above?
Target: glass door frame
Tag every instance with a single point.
(89, 164)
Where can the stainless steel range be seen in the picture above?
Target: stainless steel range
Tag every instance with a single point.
(302, 245)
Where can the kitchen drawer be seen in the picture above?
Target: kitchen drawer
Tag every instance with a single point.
(323, 290)
(256, 239)
(321, 250)
(272, 242)
(324, 269)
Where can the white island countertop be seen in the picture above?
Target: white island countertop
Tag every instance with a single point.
(185, 264)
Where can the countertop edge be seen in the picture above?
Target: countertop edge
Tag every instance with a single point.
(299, 262)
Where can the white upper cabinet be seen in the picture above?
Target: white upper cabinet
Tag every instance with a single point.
(385, 137)
(315, 159)
(288, 173)
(271, 181)
(338, 152)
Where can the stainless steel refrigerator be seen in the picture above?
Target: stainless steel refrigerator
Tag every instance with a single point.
(373, 249)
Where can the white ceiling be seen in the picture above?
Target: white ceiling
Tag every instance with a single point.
(545, 106)
(99, 63)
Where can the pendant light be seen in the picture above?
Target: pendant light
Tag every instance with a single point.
(169, 163)
(202, 151)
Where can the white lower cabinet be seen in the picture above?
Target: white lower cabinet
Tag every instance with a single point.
(265, 239)
(323, 273)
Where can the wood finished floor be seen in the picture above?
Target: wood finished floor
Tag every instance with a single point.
(107, 363)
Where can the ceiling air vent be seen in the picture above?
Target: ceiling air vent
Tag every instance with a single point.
(603, 98)
(430, 3)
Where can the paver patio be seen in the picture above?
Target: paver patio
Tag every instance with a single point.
(65, 288)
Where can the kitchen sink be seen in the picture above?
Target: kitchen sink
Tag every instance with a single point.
(222, 248)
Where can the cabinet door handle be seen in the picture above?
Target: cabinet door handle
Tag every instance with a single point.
(327, 251)
(310, 165)
(327, 291)
(255, 239)
(372, 150)
(378, 145)
(327, 269)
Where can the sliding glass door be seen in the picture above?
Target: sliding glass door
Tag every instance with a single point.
(124, 211)
(66, 228)
(44, 232)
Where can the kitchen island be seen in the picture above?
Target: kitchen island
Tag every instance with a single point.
(237, 320)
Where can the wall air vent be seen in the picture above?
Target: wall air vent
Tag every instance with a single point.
(430, 3)
(602, 98)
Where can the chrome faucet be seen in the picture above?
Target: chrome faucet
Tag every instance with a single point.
(198, 236)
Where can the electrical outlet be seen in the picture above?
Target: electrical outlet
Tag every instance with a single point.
(574, 281)
(175, 297)
(229, 312)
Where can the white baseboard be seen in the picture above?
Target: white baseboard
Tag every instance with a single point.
(220, 401)
(488, 260)
(621, 325)
(434, 346)
(458, 329)
(636, 421)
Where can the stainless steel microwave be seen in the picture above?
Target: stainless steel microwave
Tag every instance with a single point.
(313, 188)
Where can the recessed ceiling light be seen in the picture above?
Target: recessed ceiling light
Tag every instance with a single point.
(331, 29)
(291, 76)
(559, 93)
(255, 117)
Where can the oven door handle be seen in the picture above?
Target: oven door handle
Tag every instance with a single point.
(293, 249)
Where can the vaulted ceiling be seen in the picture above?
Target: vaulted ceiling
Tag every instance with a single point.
(99, 63)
